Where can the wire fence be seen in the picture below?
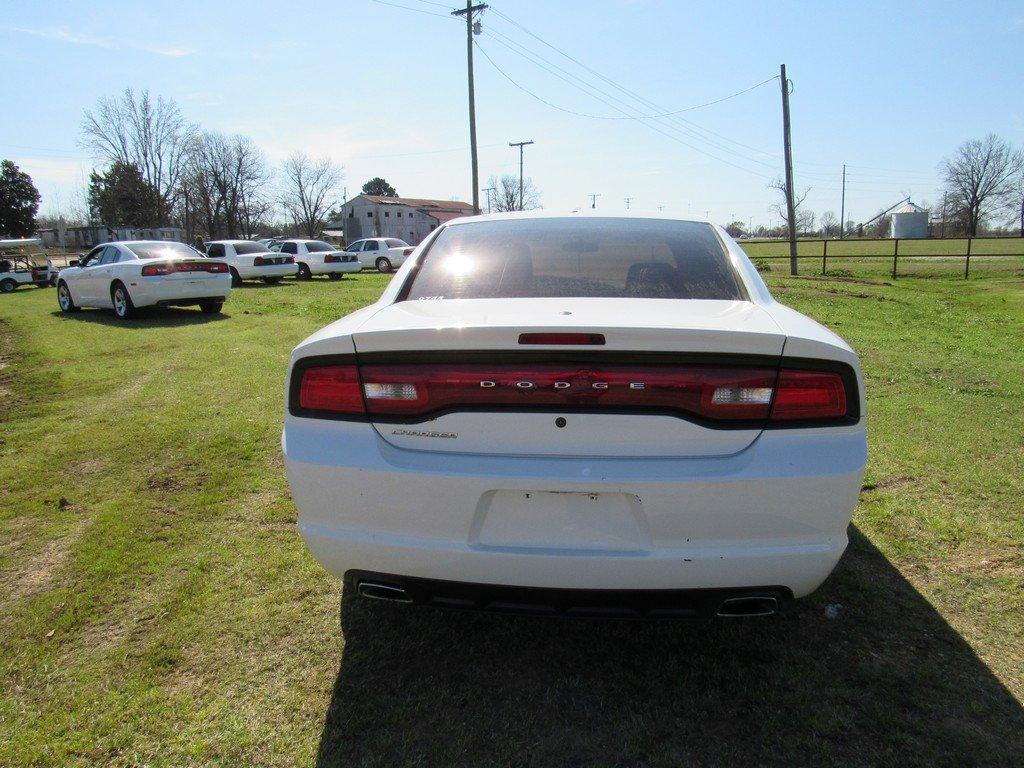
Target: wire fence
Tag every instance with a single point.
(895, 257)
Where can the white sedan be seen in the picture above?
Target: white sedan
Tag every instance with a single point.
(315, 257)
(383, 253)
(250, 260)
(127, 276)
(577, 414)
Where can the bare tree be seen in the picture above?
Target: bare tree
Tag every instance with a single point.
(222, 192)
(506, 194)
(152, 135)
(829, 224)
(780, 209)
(1014, 200)
(979, 177)
(309, 190)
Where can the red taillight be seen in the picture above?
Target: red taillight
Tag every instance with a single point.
(407, 251)
(709, 392)
(809, 395)
(259, 261)
(562, 338)
(167, 267)
(331, 258)
(331, 388)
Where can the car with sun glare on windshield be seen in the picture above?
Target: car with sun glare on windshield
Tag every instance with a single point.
(128, 276)
(577, 414)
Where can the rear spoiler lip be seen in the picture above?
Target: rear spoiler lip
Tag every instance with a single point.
(592, 356)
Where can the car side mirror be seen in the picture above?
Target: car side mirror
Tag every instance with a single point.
(73, 263)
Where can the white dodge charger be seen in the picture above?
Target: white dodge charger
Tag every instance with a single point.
(577, 414)
(126, 276)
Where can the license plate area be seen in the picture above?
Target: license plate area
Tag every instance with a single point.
(560, 521)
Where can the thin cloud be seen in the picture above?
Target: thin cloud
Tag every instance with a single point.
(65, 35)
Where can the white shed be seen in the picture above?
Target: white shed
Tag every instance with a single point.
(909, 221)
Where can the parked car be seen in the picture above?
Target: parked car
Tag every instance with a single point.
(23, 262)
(251, 261)
(384, 253)
(577, 414)
(127, 276)
(315, 257)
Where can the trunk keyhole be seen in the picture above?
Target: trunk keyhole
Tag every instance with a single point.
(560, 422)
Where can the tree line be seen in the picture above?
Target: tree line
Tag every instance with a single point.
(982, 186)
(161, 170)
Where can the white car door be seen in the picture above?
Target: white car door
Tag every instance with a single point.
(356, 248)
(370, 253)
(94, 279)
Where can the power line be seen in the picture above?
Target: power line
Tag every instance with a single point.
(414, 10)
(653, 127)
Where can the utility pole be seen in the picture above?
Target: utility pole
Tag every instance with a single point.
(842, 207)
(628, 200)
(788, 146)
(520, 144)
(468, 11)
(488, 191)
(593, 199)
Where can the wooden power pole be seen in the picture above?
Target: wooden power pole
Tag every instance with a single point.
(520, 144)
(788, 146)
(469, 10)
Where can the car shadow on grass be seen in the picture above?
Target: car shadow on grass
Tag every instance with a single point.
(886, 681)
(149, 317)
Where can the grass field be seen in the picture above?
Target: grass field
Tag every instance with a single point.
(990, 257)
(158, 608)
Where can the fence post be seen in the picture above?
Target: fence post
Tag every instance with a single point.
(967, 265)
(895, 255)
(824, 255)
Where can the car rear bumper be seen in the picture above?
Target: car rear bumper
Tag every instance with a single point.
(268, 270)
(773, 515)
(343, 267)
(147, 292)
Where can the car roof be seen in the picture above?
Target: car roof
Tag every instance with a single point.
(144, 242)
(232, 242)
(586, 213)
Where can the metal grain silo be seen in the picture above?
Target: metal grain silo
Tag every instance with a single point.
(909, 221)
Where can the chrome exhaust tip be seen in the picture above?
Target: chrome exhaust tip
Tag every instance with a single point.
(377, 591)
(748, 606)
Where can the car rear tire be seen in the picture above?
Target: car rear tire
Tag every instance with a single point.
(211, 307)
(236, 279)
(64, 300)
(334, 275)
(123, 306)
(383, 264)
(7, 285)
(304, 273)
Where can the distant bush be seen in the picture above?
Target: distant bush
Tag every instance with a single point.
(762, 265)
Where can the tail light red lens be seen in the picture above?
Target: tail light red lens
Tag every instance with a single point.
(407, 251)
(709, 392)
(259, 261)
(331, 388)
(169, 267)
(330, 258)
(809, 395)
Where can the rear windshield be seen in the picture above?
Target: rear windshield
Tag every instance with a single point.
(577, 257)
(318, 246)
(163, 251)
(392, 243)
(247, 248)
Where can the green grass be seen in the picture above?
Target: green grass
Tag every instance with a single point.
(158, 608)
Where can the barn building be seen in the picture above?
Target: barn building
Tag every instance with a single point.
(407, 218)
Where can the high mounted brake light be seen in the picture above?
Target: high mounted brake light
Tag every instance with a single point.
(713, 393)
(591, 339)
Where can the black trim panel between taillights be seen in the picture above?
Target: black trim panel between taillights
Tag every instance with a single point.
(589, 356)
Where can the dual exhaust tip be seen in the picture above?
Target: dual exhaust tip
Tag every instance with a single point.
(733, 607)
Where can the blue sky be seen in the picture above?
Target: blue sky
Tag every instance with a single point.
(888, 88)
